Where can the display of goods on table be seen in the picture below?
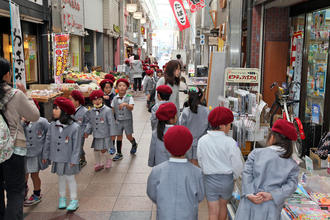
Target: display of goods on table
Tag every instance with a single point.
(80, 77)
(43, 95)
(305, 204)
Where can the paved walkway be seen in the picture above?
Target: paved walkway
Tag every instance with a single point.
(116, 194)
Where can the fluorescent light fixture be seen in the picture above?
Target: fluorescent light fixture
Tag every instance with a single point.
(143, 20)
(131, 8)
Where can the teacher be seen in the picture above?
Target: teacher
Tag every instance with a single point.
(14, 104)
(172, 79)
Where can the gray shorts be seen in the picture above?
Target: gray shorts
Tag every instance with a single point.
(120, 126)
(218, 186)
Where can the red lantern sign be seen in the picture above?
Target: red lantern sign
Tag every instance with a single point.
(180, 14)
(143, 30)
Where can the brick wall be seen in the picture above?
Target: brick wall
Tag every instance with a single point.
(277, 24)
(255, 41)
(276, 29)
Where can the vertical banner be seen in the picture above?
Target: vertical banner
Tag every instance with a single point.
(61, 53)
(17, 45)
(180, 14)
(195, 5)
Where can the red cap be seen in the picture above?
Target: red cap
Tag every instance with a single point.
(145, 68)
(286, 129)
(166, 111)
(123, 81)
(149, 72)
(220, 116)
(77, 95)
(159, 71)
(110, 76)
(178, 139)
(152, 65)
(126, 61)
(164, 89)
(36, 103)
(96, 94)
(65, 105)
(105, 81)
(69, 81)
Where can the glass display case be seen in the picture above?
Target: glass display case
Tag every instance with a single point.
(316, 46)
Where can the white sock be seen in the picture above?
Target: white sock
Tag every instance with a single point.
(97, 157)
(72, 186)
(62, 186)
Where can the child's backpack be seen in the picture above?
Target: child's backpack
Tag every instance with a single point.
(6, 141)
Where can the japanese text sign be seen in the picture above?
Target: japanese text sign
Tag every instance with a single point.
(242, 75)
(180, 14)
(61, 53)
(195, 5)
(17, 45)
(73, 16)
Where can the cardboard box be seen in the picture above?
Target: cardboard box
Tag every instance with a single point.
(317, 162)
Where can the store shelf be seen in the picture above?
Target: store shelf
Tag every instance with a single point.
(321, 98)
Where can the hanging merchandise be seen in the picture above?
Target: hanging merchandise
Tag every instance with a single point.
(17, 45)
(195, 5)
(61, 52)
(180, 14)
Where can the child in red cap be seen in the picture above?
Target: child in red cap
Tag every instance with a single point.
(164, 93)
(149, 87)
(221, 162)
(264, 194)
(78, 101)
(176, 186)
(35, 134)
(122, 107)
(167, 117)
(107, 86)
(100, 122)
(194, 118)
(63, 150)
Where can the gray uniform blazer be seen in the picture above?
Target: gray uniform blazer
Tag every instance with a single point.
(266, 171)
(150, 83)
(153, 117)
(100, 124)
(81, 119)
(176, 188)
(196, 123)
(35, 136)
(62, 147)
(157, 151)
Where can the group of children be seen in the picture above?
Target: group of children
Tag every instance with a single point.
(60, 143)
(193, 157)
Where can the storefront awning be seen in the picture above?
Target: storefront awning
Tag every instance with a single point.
(278, 3)
(27, 18)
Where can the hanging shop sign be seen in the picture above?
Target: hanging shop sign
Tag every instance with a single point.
(61, 54)
(213, 41)
(73, 16)
(195, 5)
(242, 75)
(17, 45)
(143, 30)
(180, 14)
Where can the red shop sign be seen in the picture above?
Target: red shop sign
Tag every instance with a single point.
(180, 14)
(195, 5)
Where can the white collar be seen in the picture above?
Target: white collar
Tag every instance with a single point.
(216, 133)
(178, 160)
(59, 123)
(277, 148)
(78, 108)
(168, 126)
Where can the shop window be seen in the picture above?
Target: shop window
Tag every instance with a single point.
(317, 45)
(30, 54)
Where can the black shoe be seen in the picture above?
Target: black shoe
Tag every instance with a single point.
(82, 163)
(133, 149)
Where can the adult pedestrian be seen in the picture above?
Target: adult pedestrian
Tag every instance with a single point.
(136, 70)
(178, 58)
(172, 79)
(14, 105)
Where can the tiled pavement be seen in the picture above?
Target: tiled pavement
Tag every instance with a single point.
(116, 194)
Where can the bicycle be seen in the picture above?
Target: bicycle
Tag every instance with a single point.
(284, 100)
